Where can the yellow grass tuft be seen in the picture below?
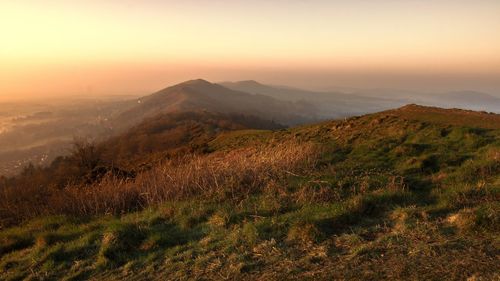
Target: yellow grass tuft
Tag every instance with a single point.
(219, 176)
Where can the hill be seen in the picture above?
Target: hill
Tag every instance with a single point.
(329, 104)
(405, 194)
(170, 135)
(457, 117)
(202, 95)
(155, 139)
(471, 100)
(39, 132)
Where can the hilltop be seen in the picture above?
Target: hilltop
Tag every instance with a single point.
(200, 94)
(457, 117)
(39, 132)
(406, 194)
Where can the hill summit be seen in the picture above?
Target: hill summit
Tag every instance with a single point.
(453, 116)
(200, 94)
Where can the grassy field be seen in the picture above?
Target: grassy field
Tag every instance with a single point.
(407, 194)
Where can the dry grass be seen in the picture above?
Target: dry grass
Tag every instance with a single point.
(218, 176)
(360, 213)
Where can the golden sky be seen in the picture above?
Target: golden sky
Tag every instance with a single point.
(55, 47)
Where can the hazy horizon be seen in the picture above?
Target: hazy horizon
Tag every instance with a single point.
(66, 48)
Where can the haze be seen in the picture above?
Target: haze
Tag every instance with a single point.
(57, 48)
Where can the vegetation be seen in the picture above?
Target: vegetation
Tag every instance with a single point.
(139, 149)
(393, 195)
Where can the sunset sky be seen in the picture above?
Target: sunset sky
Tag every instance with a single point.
(135, 47)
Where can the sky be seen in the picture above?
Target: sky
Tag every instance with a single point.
(55, 48)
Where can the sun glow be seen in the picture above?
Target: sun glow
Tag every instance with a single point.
(62, 46)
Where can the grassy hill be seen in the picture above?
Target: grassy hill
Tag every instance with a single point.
(144, 146)
(405, 194)
(169, 135)
(196, 95)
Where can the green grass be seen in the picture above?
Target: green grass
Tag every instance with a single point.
(400, 198)
(235, 139)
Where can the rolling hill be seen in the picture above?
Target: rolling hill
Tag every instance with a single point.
(202, 95)
(173, 134)
(405, 194)
(471, 100)
(329, 104)
(140, 147)
(350, 102)
(38, 133)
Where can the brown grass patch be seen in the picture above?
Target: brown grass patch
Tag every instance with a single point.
(219, 176)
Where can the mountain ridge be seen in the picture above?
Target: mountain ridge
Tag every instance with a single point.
(330, 104)
(200, 94)
(359, 101)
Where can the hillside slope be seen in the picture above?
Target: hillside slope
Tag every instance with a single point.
(471, 100)
(468, 99)
(174, 134)
(405, 194)
(456, 117)
(152, 141)
(329, 104)
(202, 95)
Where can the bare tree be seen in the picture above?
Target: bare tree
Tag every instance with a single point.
(86, 154)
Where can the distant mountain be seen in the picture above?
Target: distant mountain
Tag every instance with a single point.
(202, 95)
(456, 99)
(470, 100)
(335, 104)
(277, 92)
(329, 104)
